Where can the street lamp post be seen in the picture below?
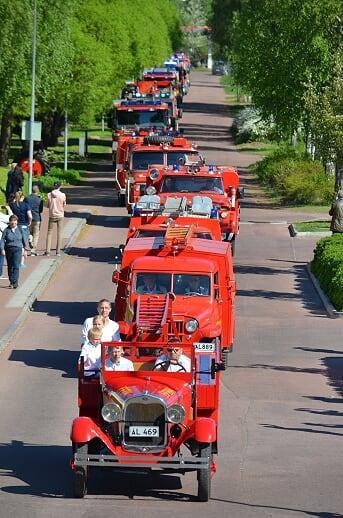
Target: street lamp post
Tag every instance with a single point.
(32, 104)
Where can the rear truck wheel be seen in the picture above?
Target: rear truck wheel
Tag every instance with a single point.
(204, 475)
(225, 358)
(233, 245)
(121, 200)
(80, 473)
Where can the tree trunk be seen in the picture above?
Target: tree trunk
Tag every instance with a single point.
(52, 125)
(339, 172)
(5, 138)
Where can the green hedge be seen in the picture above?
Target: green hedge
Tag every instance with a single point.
(327, 266)
(46, 183)
(295, 178)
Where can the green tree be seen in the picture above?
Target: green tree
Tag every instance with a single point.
(276, 46)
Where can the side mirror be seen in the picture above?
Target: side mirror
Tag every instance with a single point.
(115, 277)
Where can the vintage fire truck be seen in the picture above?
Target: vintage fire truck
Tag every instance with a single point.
(162, 150)
(157, 414)
(220, 184)
(190, 285)
(132, 116)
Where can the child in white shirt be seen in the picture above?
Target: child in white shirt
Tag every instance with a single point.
(91, 351)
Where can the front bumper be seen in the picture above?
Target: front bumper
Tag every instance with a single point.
(180, 464)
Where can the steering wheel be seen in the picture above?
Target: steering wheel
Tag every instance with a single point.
(160, 364)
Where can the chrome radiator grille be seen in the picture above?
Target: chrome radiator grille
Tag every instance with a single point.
(145, 411)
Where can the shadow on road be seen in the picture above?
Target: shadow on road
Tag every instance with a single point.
(318, 514)
(72, 312)
(97, 255)
(45, 472)
(57, 359)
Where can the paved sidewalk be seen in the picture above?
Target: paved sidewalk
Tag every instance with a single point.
(33, 279)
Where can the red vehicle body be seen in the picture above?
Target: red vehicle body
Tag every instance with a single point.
(220, 184)
(152, 225)
(173, 261)
(143, 419)
(139, 115)
(153, 150)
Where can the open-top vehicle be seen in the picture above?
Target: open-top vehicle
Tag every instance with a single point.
(160, 415)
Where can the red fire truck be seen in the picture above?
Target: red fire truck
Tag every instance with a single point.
(219, 184)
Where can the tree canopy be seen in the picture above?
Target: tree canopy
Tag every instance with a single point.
(86, 49)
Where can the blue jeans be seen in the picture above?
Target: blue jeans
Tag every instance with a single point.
(2, 258)
(13, 256)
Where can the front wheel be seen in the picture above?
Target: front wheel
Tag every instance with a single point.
(80, 473)
(204, 475)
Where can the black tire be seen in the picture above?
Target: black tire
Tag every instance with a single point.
(204, 475)
(80, 474)
(233, 246)
(225, 358)
(158, 139)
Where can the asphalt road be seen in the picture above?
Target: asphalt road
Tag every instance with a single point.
(281, 401)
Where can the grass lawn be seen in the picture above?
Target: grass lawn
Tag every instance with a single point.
(312, 226)
(320, 209)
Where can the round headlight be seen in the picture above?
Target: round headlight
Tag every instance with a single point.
(154, 173)
(151, 190)
(176, 414)
(191, 325)
(111, 412)
(224, 214)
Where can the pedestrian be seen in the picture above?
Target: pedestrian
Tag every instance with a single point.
(336, 212)
(12, 243)
(4, 220)
(21, 208)
(36, 204)
(56, 203)
(15, 181)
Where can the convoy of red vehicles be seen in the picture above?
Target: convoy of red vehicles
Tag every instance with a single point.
(174, 302)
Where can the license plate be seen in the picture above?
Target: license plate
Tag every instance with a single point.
(204, 347)
(144, 431)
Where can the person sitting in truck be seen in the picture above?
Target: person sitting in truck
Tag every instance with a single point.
(116, 361)
(211, 184)
(197, 285)
(174, 360)
(91, 352)
(150, 285)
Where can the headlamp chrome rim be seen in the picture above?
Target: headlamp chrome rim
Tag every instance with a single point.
(111, 412)
(154, 173)
(191, 325)
(176, 414)
(151, 190)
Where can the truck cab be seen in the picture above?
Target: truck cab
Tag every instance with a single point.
(218, 183)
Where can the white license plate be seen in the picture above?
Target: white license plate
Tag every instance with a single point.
(144, 431)
(204, 347)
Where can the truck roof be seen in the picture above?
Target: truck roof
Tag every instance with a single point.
(170, 264)
(194, 245)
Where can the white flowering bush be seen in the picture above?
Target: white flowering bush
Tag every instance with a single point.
(249, 126)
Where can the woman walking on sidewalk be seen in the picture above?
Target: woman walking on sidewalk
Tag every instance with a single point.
(56, 203)
(12, 243)
(21, 208)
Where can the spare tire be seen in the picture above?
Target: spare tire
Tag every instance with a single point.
(158, 139)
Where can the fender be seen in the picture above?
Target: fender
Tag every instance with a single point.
(84, 429)
(205, 430)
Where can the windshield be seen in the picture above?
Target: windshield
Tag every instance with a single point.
(192, 184)
(173, 157)
(141, 161)
(188, 285)
(142, 118)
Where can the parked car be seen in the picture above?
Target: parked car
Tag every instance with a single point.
(219, 68)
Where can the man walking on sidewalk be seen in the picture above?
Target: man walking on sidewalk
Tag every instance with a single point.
(56, 203)
(36, 204)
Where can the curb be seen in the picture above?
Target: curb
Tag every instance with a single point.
(329, 308)
(294, 233)
(40, 286)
